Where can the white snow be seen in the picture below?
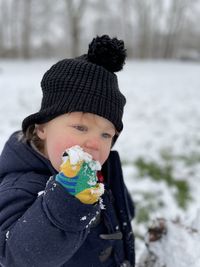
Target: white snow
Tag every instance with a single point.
(102, 206)
(179, 246)
(40, 193)
(76, 154)
(162, 112)
(83, 218)
(7, 235)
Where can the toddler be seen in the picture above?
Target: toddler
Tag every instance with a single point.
(63, 201)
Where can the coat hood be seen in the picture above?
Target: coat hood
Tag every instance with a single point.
(19, 156)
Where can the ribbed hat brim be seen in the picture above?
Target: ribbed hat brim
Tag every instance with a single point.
(105, 109)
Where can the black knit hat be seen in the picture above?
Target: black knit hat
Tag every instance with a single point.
(86, 84)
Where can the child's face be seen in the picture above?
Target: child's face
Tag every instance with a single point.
(91, 132)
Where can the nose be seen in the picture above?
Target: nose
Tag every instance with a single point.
(92, 146)
(92, 143)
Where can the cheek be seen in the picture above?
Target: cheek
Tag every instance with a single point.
(56, 149)
(54, 154)
(104, 155)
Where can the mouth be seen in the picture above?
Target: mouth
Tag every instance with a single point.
(65, 154)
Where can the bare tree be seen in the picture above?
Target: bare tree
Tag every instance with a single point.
(26, 29)
(75, 12)
(128, 25)
(142, 10)
(107, 19)
(5, 43)
(42, 27)
(15, 27)
(15, 32)
(2, 29)
(150, 28)
(175, 16)
(176, 20)
(160, 26)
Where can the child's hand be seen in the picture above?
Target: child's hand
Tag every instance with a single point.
(78, 175)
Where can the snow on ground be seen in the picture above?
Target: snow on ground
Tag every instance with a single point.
(162, 109)
(166, 242)
(162, 112)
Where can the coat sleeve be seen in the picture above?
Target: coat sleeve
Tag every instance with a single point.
(41, 231)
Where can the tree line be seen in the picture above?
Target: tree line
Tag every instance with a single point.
(150, 28)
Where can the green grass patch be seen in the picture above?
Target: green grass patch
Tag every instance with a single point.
(164, 173)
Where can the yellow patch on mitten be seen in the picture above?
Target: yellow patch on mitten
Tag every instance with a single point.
(70, 170)
(87, 197)
(91, 195)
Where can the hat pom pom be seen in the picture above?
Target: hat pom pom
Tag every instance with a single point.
(108, 53)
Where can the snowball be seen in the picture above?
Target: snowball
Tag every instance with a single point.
(76, 154)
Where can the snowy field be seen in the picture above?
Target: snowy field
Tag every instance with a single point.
(162, 113)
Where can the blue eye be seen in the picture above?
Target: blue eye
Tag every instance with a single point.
(80, 128)
(107, 135)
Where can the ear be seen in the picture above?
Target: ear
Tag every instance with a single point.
(41, 131)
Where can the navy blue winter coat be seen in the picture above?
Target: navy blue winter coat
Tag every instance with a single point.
(42, 225)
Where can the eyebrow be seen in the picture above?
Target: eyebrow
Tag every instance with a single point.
(110, 128)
